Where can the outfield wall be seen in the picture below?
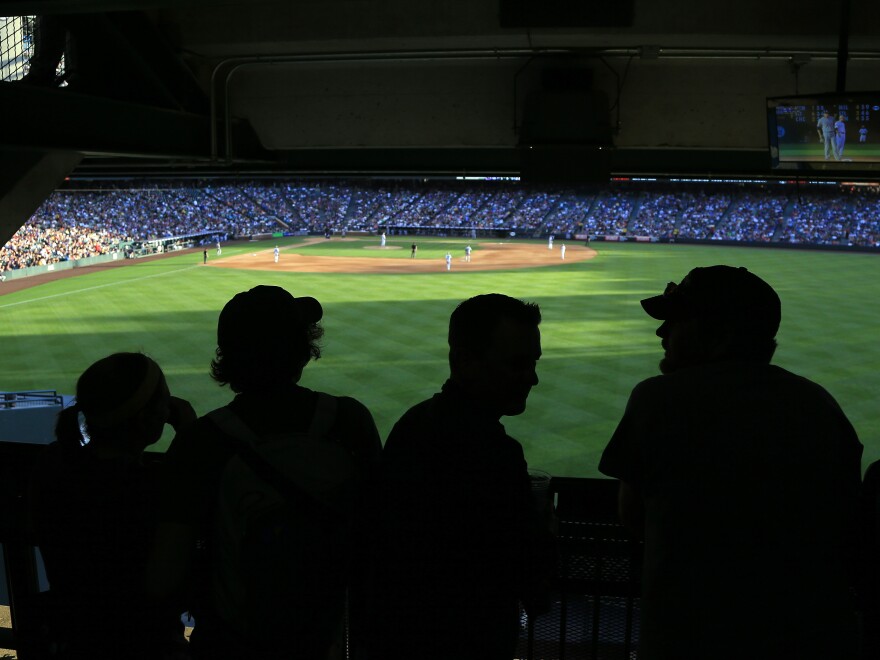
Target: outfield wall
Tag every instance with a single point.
(62, 265)
(777, 244)
(514, 233)
(824, 247)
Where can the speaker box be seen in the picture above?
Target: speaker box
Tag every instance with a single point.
(566, 117)
(565, 163)
(565, 13)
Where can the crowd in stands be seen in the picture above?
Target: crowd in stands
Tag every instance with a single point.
(569, 212)
(610, 213)
(463, 208)
(753, 217)
(58, 235)
(494, 213)
(658, 213)
(81, 221)
(703, 213)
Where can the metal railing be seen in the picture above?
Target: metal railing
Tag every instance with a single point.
(19, 36)
(16, 46)
(30, 399)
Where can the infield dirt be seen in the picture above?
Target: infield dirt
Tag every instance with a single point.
(486, 256)
(297, 258)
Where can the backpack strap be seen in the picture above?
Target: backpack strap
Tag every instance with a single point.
(244, 441)
(233, 427)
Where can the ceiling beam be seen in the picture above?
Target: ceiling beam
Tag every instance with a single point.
(27, 178)
(39, 118)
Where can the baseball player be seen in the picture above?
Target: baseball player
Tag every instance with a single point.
(562, 251)
(550, 242)
(276, 254)
(467, 254)
(840, 129)
(382, 240)
(828, 135)
(863, 134)
(448, 261)
(219, 251)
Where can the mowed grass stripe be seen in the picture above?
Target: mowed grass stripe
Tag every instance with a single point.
(386, 334)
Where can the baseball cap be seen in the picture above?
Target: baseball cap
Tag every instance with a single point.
(264, 314)
(726, 292)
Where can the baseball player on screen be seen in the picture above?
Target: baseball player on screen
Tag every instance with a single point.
(840, 128)
(828, 135)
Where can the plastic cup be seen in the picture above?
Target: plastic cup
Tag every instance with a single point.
(540, 489)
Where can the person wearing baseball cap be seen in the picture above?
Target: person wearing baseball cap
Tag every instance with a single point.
(265, 338)
(742, 478)
(276, 436)
(716, 313)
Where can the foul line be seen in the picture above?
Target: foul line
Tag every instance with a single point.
(99, 286)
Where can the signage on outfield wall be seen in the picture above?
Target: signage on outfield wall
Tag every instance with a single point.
(621, 239)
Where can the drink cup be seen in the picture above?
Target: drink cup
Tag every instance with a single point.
(540, 490)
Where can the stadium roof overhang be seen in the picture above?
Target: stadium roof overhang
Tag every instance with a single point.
(159, 94)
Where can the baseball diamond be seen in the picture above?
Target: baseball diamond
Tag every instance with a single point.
(386, 316)
(488, 256)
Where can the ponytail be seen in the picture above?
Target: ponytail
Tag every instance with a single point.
(67, 428)
(110, 395)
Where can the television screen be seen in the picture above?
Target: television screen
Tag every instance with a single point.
(825, 132)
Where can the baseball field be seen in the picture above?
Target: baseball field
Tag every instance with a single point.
(854, 152)
(386, 315)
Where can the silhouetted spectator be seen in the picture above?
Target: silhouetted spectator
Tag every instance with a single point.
(743, 480)
(869, 567)
(93, 507)
(458, 545)
(265, 485)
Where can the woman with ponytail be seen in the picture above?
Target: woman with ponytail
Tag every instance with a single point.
(93, 512)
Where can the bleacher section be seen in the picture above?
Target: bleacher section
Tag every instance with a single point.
(80, 222)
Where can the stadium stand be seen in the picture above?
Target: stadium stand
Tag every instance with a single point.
(75, 223)
(322, 93)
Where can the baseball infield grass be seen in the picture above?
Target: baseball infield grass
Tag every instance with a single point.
(385, 341)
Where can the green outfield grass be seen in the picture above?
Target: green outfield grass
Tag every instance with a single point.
(385, 338)
(855, 151)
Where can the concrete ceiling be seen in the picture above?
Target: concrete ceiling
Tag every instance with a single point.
(314, 76)
(218, 29)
